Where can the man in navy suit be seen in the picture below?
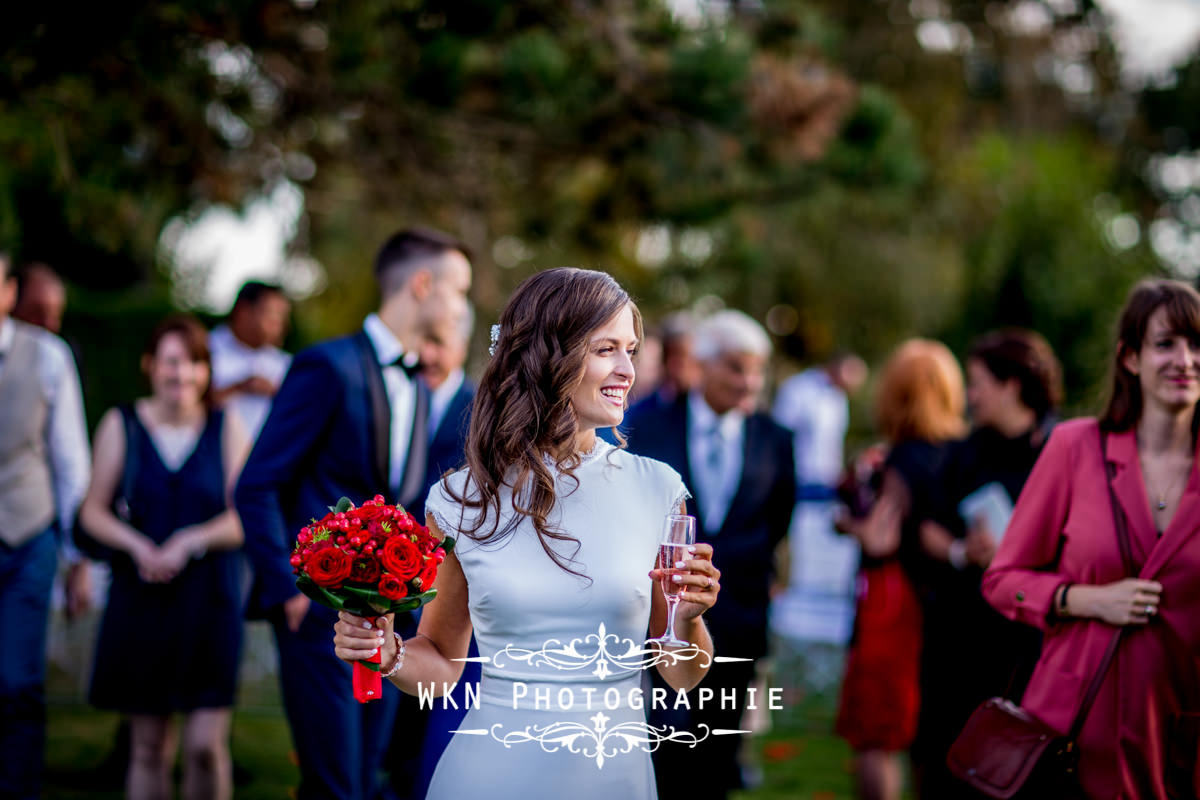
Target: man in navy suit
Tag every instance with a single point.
(350, 420)
(738, 464)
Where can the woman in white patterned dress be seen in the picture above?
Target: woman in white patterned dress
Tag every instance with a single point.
(554, 532)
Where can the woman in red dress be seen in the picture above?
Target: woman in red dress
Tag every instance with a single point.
(919, 408)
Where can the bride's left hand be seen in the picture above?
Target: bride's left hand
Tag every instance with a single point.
(701, 582)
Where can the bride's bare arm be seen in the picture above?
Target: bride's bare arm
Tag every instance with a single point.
(443, 634)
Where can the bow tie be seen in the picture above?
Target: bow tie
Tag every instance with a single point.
(408, 362)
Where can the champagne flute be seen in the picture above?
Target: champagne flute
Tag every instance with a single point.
(679, 533)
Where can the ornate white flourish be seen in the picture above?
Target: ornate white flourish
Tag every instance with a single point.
(594, 649)
(598, 742)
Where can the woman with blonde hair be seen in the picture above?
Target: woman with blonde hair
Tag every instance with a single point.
(919, 409)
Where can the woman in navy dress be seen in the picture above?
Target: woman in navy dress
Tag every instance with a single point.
(176, 569)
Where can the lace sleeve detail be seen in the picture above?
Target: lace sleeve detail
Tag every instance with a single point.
(680, 496)
(446, 512)
(444, 524)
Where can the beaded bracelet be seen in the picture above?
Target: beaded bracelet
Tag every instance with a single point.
(399, 662)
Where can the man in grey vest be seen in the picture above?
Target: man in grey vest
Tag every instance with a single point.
(44, 465)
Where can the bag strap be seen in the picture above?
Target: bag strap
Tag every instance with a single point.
(1122, 525)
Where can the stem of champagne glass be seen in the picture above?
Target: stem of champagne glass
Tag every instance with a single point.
(672, 604)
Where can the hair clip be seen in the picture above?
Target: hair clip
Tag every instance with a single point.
(495, 340)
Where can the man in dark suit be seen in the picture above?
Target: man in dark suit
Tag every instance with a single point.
(349, 420)
(738, 464)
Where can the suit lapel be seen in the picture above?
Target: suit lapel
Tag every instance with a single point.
(381, 411)
(1183, 525)
(417, 463)
(1131, 494)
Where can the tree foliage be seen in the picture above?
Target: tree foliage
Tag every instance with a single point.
(863, 171)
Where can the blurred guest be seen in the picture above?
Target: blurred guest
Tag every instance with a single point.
(818, 603)
(918, 408)
(680, 371)
(43, 477)
(248, 365)
(350, 420)
(41, 297)
(738, 463)
(1060, 567)
(971, 653)
(648, 364)
(41, 301)
(443, 353)
(172, 629)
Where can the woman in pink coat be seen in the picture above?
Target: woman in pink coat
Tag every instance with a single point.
(1059, 566)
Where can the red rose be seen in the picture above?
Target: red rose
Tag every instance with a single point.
(428, 574)
(365, 570)
(329, 568)
(392, 587)
(400, 557)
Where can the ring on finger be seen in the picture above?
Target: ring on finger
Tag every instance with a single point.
(710, 583)
(1149, 610)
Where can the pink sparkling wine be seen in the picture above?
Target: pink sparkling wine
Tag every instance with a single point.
(668, 554)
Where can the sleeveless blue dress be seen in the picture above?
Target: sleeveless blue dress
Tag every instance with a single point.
(561, 710)
(173, 646)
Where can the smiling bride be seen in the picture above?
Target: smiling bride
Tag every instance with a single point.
(554, 530)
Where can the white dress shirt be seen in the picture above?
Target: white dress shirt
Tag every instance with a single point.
(232, 362)
(66, 429)
(817, 413)
(439, 399)
(401, 392)
(715, 448)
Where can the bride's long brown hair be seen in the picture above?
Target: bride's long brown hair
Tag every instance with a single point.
(523, 406)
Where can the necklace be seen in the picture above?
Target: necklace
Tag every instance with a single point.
(1160, 502)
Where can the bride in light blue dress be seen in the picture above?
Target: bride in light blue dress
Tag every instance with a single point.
(555, 531)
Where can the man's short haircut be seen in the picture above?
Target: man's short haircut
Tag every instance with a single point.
(730, 332)
(253, 291)
(407, 251)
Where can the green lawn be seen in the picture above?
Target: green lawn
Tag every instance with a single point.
(799, 758)
(796, 765)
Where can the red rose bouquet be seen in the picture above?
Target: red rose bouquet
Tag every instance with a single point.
(371, 560)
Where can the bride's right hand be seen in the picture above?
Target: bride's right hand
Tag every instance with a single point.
(357, 638)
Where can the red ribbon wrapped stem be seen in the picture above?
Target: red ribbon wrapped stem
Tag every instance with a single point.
(368, 684)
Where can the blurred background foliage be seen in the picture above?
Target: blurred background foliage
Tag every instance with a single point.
(851, 173)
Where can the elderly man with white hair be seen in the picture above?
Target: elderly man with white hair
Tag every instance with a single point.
(738, 464)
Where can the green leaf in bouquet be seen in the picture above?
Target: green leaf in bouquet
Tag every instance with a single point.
(319, 594)
(369, 598)
(411, 602)
(447, 544)
(342, 506)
